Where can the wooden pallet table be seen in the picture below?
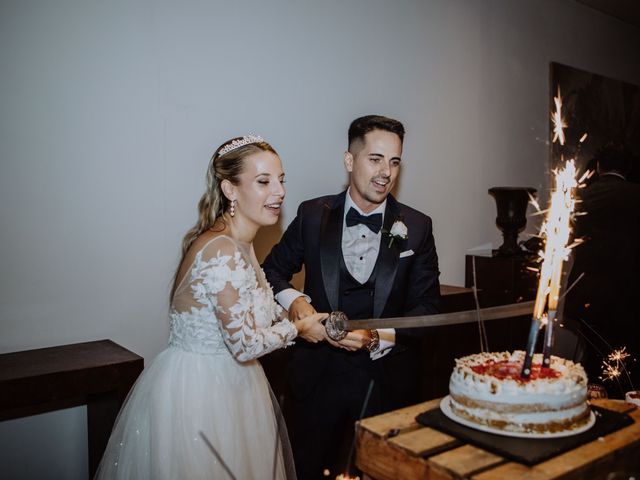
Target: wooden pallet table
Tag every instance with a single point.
(394, 446)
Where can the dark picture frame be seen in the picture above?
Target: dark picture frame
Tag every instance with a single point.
(607, 110)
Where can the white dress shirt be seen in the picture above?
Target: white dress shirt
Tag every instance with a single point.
(360, 247)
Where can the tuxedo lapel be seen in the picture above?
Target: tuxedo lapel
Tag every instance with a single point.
(331, 249)
(387, 262)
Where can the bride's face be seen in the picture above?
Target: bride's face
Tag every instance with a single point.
(260, 192)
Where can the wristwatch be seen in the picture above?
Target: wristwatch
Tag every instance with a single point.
(374, 343)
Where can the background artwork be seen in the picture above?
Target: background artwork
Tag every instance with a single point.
(607, 110)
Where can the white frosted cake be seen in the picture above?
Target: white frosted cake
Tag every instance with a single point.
(487, 389)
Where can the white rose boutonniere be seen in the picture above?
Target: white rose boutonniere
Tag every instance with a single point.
(398, 230)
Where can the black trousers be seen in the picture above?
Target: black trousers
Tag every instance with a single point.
(324, 423)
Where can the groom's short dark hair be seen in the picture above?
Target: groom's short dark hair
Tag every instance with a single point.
(363, 125)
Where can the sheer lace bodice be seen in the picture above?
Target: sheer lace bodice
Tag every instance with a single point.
(205, 388)
(224, 304)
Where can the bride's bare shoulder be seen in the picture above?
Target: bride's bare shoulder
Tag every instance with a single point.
(209, 241)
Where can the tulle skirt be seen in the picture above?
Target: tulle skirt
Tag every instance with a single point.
(198, 416)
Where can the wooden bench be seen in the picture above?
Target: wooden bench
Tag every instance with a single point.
(97, 374)
(395, 446)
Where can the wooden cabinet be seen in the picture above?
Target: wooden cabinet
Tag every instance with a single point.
(501, 280)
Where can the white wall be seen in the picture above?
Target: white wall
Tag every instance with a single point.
(110, 111)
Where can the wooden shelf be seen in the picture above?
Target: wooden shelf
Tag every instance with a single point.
(97, 374)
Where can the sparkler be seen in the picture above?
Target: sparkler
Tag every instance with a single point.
(558, 232)
(619, 355)
(611, 371)
(556, 229)
(614, 365)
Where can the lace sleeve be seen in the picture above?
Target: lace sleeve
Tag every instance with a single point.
(251, 322)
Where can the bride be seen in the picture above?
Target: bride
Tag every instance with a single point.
(203, 409)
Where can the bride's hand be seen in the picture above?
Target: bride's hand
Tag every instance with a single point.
(311, 327)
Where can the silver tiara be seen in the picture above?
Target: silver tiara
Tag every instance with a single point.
(240, 142)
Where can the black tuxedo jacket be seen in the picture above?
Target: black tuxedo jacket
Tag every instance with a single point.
(403, 286)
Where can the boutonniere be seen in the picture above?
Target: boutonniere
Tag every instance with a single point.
(398, 231)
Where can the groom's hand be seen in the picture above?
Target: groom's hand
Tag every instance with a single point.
(300, 309)
(356, 340)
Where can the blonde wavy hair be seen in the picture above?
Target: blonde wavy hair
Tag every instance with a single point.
(213, 203)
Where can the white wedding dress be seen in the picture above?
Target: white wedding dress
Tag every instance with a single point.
(207, 386)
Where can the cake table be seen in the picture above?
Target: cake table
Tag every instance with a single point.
(394, 446)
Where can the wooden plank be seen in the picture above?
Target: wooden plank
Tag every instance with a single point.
(619, 406)
(36, 381)
(454, 290)
(383, 461)
(396, 421)
(463, 461)
(598, 457)
(623, 460)
(64, 358)
(424, 441)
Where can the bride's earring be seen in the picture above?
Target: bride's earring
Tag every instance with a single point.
(232, 208)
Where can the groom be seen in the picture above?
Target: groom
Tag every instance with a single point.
(369, 256)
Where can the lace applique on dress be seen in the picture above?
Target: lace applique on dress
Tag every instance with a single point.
(224, 289)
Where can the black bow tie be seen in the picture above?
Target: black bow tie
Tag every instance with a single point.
(374, 222)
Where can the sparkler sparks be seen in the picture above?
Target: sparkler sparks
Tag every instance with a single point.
(556, 229)
(619, 355)
(557, 120)
(534, 202)
(614, 365)
(559, 227)
(610, 371)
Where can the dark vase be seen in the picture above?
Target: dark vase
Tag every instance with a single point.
(512, 216)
